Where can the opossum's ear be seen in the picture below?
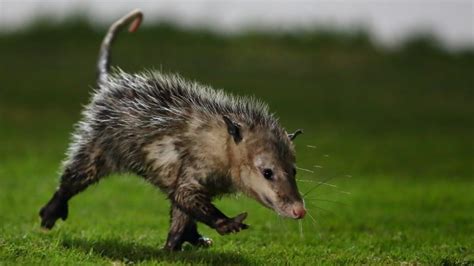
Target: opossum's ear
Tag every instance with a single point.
(233, 129)
(292, 136)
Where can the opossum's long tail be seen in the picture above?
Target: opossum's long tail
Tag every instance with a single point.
(135, 17)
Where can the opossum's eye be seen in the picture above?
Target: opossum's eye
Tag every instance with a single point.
(267, 173)
(294, 171)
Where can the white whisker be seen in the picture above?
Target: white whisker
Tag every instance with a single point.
(325, 200)
(303, 169)
(301, 229)
(338, 191)
(323, 183)
(283, 222)
(327, 184)
(317, 166)
(311, 146)
(312, 218)
(331, 212)
(305, 180)
(344, 192)
(317, 182)
(315, 224)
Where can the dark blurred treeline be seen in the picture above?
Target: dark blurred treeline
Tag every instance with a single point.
(323, 80)
(329, 75)
(328, 70)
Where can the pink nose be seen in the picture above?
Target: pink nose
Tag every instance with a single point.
(299, 212)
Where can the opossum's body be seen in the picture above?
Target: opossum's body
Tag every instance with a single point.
(156, 125)
(191, 141)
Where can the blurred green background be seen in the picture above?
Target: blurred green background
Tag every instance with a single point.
(391, 128)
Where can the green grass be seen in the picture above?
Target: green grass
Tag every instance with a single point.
(392, 129)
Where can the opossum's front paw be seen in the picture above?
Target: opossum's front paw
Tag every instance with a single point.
(232, 225)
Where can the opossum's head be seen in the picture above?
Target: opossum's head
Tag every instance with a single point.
(264, 162)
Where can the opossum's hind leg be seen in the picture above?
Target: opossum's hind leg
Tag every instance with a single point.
(184, 229)
(194, 238)
(82, 170)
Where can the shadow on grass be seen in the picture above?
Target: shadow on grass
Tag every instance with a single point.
(131, 252)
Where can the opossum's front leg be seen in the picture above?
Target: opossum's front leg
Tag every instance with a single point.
(184, 229)
(195, 202)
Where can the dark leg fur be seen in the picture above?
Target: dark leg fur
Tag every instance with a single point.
(56, 208)
(194, 201)
(78, 175)
(184, 229)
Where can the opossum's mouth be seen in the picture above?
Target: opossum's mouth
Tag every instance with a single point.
(285, 212)
(268, 202)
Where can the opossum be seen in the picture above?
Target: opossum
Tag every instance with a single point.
(193, 142)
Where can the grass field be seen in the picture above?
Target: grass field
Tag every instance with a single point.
(391, 129)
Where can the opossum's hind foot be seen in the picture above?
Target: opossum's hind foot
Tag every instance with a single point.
(56, 208)
(198, 241)
(202, 241)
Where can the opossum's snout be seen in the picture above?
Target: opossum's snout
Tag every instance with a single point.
(283, 197)
(288, 208)
(297, 211)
